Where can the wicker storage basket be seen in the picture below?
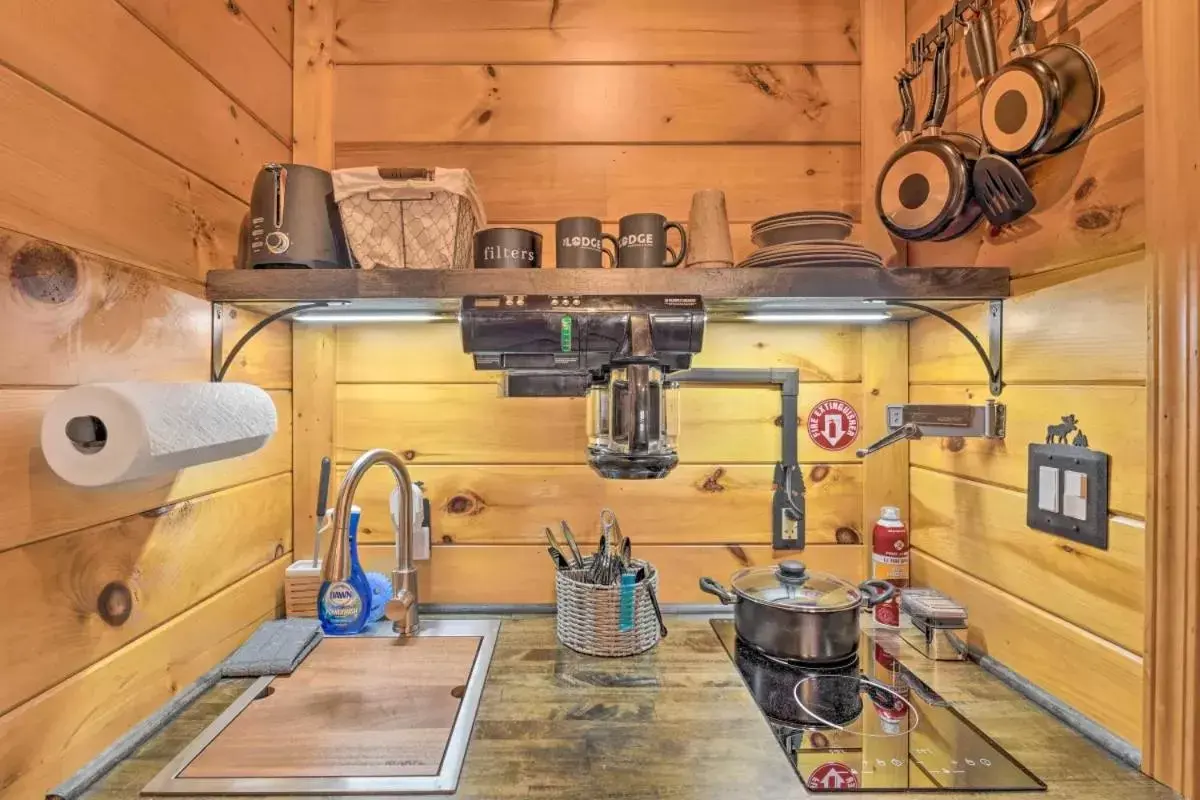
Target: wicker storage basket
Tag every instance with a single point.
(411, 218)
(588, 617)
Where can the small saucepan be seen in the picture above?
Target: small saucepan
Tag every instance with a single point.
(1042, 101)
(791, 613)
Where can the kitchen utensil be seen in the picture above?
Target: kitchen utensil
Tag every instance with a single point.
(627, 605)
(626, 553)
(322, 506)
(980, 44)
(560, 562)
(579, 244)
(788, 612)
(924, 191)
(1041, 101)
(1001, 189)
(604, 570)
(604, 567)
(608, 521)
(508, 248)
(293, 220)
(652, 593)
(643, 241)
(556, 551)
(576, 555)
(708, 227)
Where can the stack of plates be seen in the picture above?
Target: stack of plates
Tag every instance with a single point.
(800, 226)
(808, 239)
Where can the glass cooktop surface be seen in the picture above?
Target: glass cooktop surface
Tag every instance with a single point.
(870, 724)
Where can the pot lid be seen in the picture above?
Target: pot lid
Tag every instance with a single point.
(789, 584)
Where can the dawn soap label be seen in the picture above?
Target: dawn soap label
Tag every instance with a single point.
(341, 608)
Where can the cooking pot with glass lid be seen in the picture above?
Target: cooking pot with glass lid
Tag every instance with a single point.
(789, 612)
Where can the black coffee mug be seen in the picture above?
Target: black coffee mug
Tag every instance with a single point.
(643, 242)
(579, 244)
(508, 248)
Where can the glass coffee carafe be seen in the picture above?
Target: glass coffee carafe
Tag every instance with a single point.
(632, 424)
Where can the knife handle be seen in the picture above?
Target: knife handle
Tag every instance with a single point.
(323, 489)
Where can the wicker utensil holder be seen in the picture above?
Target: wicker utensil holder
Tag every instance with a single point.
(588, 618)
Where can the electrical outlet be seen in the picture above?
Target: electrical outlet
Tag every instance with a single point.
(1068, 493)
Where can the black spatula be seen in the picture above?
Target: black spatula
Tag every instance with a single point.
(1001, 189)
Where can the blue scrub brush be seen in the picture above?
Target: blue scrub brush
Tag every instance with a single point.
(381, 592)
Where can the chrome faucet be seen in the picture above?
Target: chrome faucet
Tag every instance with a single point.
(401, 609)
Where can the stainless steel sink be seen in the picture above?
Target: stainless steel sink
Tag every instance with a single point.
(172, 780)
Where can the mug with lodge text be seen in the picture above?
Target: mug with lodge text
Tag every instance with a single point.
(579, 244)
(642, 242)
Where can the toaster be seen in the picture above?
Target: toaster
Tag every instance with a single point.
(294, 221)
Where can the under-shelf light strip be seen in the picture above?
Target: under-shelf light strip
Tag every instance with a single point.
(359, 317)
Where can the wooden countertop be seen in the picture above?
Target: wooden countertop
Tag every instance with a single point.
(674, 723)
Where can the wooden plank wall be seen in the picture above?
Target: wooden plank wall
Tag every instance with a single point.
(1066, 616)
(605, 109)
(132, 132)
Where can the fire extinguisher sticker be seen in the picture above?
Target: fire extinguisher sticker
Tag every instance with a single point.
(833, 424)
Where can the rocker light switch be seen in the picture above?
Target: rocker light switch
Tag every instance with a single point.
(1047, 496)
(1075, 495)
(1068, 493)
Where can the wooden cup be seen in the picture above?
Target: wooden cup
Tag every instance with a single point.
(708, 231)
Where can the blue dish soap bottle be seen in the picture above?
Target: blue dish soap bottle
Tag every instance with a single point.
(344, 607)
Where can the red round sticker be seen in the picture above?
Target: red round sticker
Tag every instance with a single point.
(833, 424)
(833, 775)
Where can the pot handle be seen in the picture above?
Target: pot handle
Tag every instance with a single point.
(877, 592)
(709, 586)
(939, 103)
(1024, 41)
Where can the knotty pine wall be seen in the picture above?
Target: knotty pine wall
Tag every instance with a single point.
(132, 132)
(1066, 616)
(565, 108)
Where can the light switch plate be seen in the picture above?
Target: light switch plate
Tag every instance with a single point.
(1081, 478)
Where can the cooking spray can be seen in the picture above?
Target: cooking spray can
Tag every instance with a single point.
(889, 562)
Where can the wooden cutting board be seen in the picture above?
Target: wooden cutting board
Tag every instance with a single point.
(356, 707)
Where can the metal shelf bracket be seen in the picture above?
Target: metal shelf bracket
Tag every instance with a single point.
(221, 363)
(993, 357)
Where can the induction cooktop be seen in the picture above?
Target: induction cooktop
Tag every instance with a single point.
(870, 724)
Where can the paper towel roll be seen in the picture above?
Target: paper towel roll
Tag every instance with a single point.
(105, 433)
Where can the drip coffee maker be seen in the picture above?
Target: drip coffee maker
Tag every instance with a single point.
(627, 355)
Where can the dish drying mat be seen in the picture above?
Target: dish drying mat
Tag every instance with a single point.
(277, 647)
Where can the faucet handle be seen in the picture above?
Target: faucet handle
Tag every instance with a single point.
(909, 430)
(401, 609)
(397, 608)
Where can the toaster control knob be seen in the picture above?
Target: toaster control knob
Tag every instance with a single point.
(278, 242)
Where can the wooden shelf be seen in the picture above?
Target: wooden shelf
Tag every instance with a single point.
(731, 288)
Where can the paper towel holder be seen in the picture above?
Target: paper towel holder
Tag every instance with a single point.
(88, 434)
(220, 365)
